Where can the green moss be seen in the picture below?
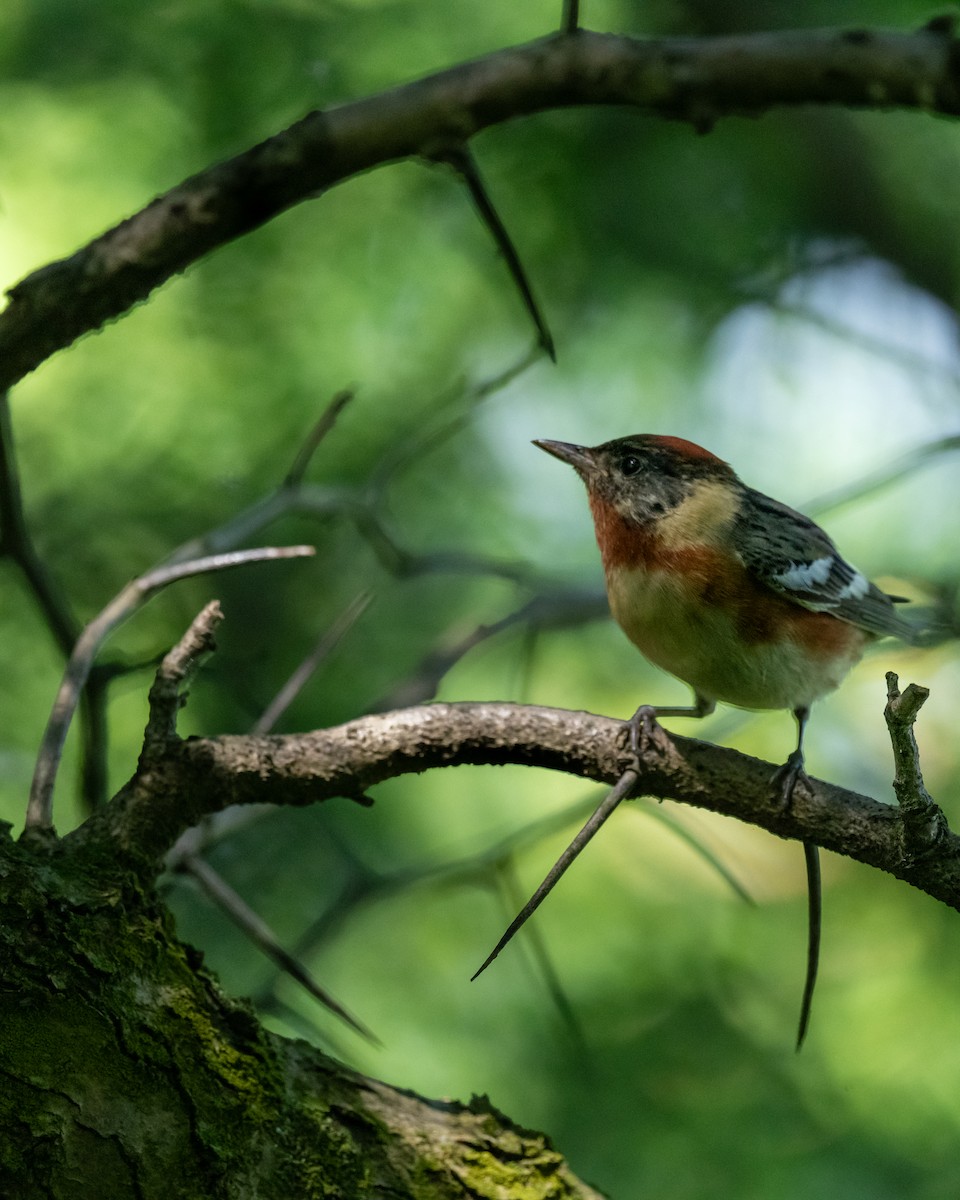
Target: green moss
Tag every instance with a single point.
(128, 1072)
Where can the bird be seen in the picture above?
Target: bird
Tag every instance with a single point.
(741, 597)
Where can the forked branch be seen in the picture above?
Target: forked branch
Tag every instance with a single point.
(120, 608)
(189, 780)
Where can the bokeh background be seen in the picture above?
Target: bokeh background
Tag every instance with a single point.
(781, 290)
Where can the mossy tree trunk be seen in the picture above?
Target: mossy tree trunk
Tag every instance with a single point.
(128, 1073)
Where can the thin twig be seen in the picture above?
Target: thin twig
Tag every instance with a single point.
(884, 476)
(405, 565)
(328, 419)
(17, 544)
(365, 886)
(362, 505)
(623, 787)
(570, 22)
(177, 668)
(262, 936)
(433, 429)
(325, 646)
(811, 859)
(284, 498)
(923, 821)
(543, 962)
(666, 818)
(463, 162)
(132, 597)
(558, 608)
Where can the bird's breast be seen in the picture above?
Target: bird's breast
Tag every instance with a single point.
(701, 617)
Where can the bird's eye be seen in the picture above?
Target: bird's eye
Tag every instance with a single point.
(629, 464)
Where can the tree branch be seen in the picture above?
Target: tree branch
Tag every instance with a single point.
(924, 823)
(253, 926)
(307, 667)
(193, 778)
(17, 544)
(120, 608)
(570, 22)
(688, 79)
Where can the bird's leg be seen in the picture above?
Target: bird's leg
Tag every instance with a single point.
(786, 780)
(791, 772)
(640, 726)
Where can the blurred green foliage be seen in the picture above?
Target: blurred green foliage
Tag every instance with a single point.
(782, 290)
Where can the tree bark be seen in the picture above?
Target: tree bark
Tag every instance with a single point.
(127, 1073)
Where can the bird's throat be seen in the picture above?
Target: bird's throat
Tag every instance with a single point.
(623, 543)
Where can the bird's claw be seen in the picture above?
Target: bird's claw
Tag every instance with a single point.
(641, 728)
(785, 779)
(642, 731)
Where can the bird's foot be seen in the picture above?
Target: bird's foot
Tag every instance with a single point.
(641, 729)
(785, 779)
(644, 734)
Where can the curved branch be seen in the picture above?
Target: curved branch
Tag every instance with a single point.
(80, 663)
(182, 781)
(689, 79)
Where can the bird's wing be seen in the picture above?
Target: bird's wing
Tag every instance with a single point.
(792, 555)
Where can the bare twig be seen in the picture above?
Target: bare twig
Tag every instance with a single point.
(365, 885)
(666, 818)
(328, 419)
(463, 162)
(405, 565)
(132, 597)
(285, 498)
(570, 21)
(213, 829)
(262, 936)
(924, 824)
(811, 860)
(624, 786)
(556, 608)
(362, 504)
(325, 646)
(175, 671)
(17, 544)
(542, 961)
(456, 408)
(882, 477)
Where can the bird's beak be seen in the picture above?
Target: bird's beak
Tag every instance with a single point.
(579, 457)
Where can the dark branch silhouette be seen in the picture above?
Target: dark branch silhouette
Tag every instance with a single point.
(463, 162)
(686, 79)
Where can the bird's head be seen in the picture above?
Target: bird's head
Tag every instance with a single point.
(642, 478)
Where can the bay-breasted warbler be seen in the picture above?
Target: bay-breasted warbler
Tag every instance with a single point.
(744, 599)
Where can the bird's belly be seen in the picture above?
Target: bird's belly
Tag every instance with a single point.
(723, 652)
